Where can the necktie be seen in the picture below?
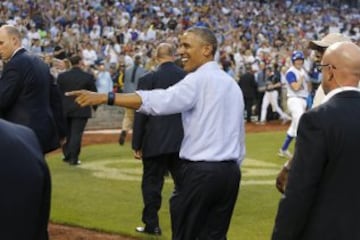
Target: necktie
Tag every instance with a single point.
(134, 73)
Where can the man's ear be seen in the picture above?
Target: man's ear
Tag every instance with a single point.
(207, 50)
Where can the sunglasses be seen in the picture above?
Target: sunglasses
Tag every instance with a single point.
(319, 67)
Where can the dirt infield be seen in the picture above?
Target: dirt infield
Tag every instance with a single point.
(61, 232)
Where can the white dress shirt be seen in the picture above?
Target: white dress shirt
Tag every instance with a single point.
(212, 110)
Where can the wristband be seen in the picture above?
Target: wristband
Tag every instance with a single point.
(111, 98)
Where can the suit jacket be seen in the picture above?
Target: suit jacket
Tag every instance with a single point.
(25, 184)
(248, 85)
(156, 135)
(75, 79)
(24, 97)
(129, 85)
(322, 200)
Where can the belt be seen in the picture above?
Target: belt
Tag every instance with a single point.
(299, 97)
(209, 161)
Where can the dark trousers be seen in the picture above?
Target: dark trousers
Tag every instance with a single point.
(154, 170)
(249, 102)
(43, 233)
(202, 205)
(75, 130)
(259, 99)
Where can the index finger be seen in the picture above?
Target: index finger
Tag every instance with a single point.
(74, 93)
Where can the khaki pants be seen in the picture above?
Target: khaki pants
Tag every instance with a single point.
(128, 120)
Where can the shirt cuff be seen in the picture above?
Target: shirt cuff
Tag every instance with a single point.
(144, 95)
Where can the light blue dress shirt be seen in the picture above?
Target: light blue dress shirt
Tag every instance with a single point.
(212, 109)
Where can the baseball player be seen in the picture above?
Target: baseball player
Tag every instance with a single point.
(271, 95)
(297, 93)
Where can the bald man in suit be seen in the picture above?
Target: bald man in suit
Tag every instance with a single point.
(25, 89)
(321, 200)
(157, 139)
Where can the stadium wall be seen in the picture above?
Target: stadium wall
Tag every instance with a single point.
(106, 117)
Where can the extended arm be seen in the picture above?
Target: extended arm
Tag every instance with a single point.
(88, 98)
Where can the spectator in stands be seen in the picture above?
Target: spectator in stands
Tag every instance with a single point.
(89, 55)
(104, 83)
(35, 47)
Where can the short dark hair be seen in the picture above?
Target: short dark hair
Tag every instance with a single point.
(206, 35)
(75, 60)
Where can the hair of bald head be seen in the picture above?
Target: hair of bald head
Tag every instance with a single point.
(206, 35)
(345, 56)
(12, 31)
(165, 50)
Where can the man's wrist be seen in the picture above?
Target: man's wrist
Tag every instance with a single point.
(287, 166)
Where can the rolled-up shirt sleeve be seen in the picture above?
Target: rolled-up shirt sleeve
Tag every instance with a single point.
(175, 99)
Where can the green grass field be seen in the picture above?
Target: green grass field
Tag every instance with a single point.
(104, 192)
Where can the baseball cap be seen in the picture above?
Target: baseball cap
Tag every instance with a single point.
(329, 39)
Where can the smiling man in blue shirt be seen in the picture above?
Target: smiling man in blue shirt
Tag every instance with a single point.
(213, 147)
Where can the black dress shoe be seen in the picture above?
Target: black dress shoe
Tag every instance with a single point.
(122, 137)
(153, 231)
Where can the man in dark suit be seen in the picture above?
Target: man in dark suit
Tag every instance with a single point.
(321, 200)
(157, 139)
(76, 116)
(25, 184)
(24, 89)
(249, 88)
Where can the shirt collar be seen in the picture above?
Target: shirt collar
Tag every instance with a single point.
(210, 65)
(338, 90)
(16, 50)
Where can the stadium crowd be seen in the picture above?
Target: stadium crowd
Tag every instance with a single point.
(111, 33)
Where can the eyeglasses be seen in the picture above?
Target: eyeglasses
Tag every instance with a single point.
(319, 67)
